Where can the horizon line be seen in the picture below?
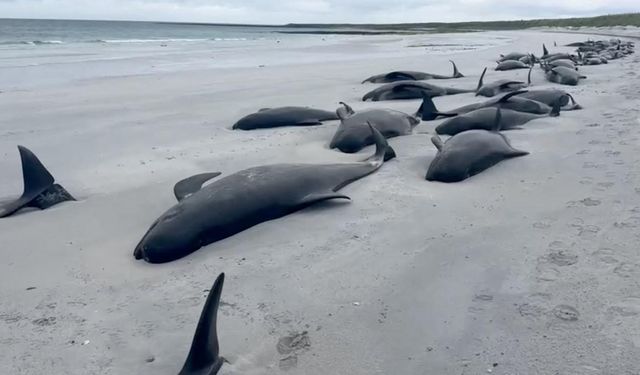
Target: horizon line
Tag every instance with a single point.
(320, 24)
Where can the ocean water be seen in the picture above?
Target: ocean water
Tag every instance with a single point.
(44, 52)
(43, 32)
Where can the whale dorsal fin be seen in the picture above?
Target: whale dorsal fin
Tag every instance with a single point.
(263, 109)
(545, 52)
(480, 83)
(204, 355)
(496, 123)
(36, 180)
(456, 72)
(437, 141)
(35, 176)
(190, 185)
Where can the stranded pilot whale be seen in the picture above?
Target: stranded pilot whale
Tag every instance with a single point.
(469, 153)
(204, 355)
(284, 116)
(406, 75)
(353, 134)
(239, 201)
(40, 189)
(410, 90)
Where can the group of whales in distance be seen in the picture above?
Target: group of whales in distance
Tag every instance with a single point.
(207, 213)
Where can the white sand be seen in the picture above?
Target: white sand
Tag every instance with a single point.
(411, 277)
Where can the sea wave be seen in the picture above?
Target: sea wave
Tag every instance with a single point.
(31, 42)
(118, 41)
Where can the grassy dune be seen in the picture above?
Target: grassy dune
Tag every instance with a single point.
(627, 19)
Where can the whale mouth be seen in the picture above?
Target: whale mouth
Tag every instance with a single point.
(138, 253)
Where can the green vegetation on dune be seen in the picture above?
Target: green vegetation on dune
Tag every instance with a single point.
(627, 19)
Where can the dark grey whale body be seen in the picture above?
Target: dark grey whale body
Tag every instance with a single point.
(484, 118)
(511, 65)
(500, 86)
(204, 355)
(428, 110)
(551, 96)
(353, 134)
(564, 75)
(469, 153)
(40, 189)
(284, 116)
(408, 75)
(246, 198)
(410, 90)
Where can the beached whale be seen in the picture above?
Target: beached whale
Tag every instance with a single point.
(237, 202)
(484, 118)
(407, 75)
(563, 75)
(284, 116)
(500, 86)
(40, 190)
(511, 65)
(469, 153)
(514, 56)
(551, 96)
(353, 134)
(428, 110)
(409, 90)
(204, 355)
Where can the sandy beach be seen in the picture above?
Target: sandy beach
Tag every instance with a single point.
(531, 267)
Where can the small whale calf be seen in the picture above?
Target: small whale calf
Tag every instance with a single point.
(511, 65)
(353, 134)
(407, 75)
(563, 75)
(469, 153)
(284, 116)
(40, 190)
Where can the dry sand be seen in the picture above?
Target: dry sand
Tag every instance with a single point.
(531, 267)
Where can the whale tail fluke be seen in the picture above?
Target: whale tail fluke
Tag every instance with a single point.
(555, 109)
(40, 190)
(204, 355)
(428, 110)
(384, 152)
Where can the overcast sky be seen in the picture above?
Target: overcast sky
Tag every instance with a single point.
(317, 11)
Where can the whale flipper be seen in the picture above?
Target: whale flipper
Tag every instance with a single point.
(204, 355)
(190, 185)
(39, 188)
(319, 197)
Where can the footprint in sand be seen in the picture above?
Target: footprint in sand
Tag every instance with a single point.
(627, 270)
(587, 202)
(630, 222)
(606, 255)
(566, 313)
(290, 346)
(628, 307)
